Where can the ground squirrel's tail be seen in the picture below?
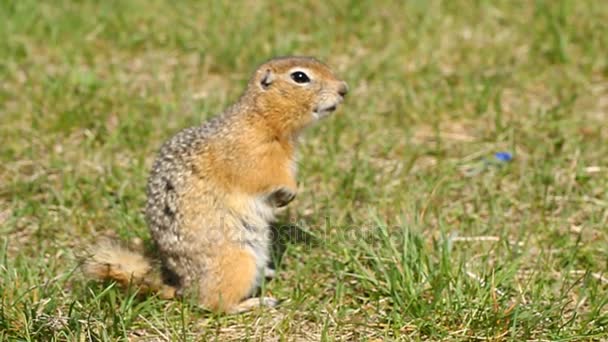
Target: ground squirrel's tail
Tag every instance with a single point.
(110, 261)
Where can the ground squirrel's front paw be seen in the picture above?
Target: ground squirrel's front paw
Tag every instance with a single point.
(269, 273)
(281, 197)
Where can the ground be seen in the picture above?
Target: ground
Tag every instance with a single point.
(406, 225)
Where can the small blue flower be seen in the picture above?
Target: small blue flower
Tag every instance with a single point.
(503, 156)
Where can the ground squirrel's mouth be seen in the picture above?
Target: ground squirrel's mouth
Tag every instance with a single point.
(324, 111)
(330, 108)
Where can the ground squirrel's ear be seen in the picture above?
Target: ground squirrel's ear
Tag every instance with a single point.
(266, 79)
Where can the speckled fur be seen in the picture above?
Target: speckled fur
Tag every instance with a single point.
(210, 192)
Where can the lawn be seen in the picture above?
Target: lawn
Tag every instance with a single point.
(406, 225)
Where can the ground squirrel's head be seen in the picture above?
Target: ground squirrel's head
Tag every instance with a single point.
(296, 91)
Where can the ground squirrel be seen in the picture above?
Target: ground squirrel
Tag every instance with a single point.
(215, 189)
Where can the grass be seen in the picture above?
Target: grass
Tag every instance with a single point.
(407, 246)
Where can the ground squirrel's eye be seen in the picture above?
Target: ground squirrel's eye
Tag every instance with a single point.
(300, 77)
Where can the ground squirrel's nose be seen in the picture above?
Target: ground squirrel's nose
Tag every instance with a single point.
(343, 90)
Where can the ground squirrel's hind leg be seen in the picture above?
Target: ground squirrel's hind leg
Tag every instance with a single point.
(233, 278)
(252, 303)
